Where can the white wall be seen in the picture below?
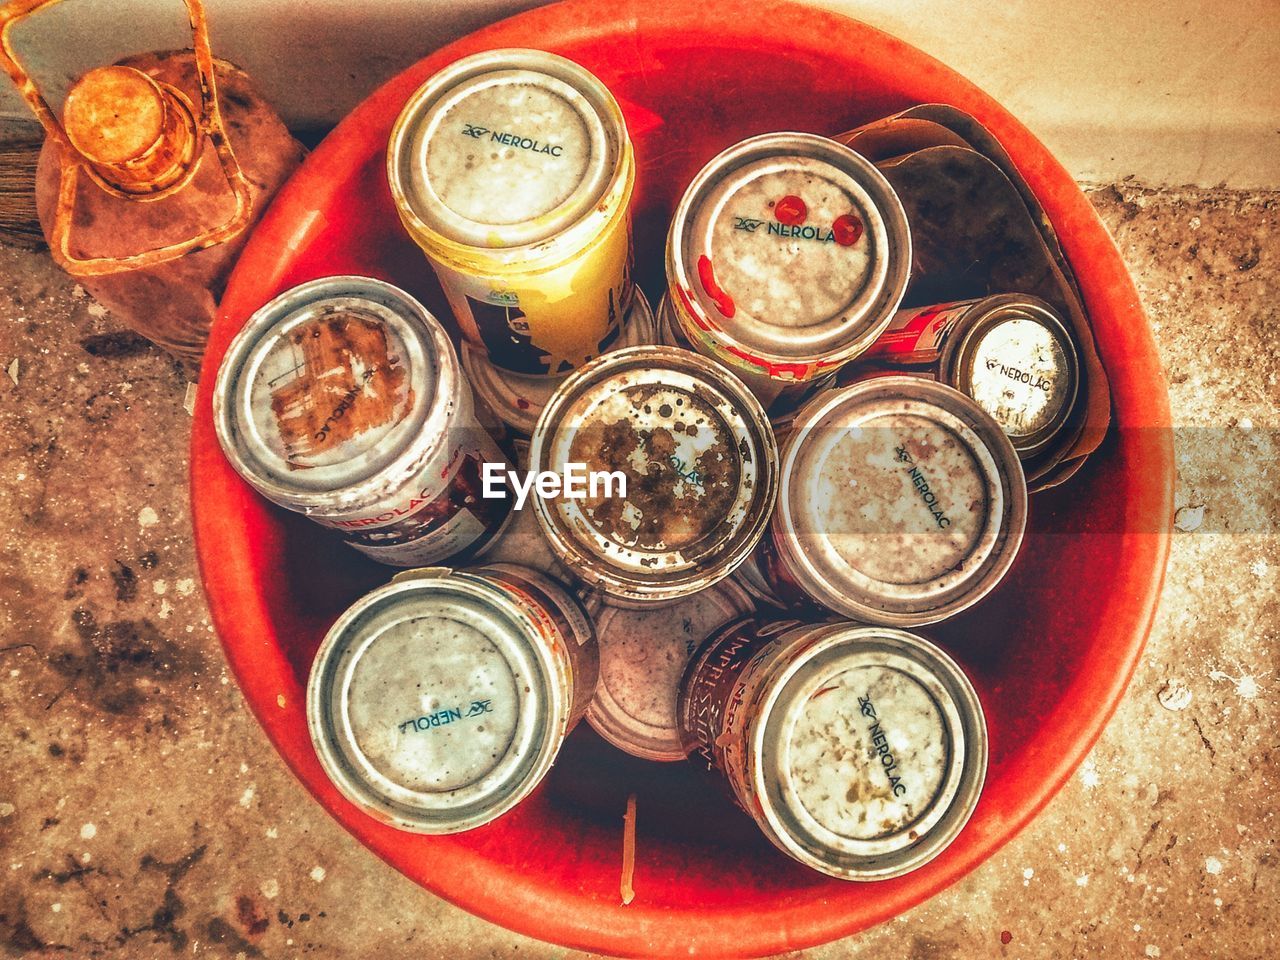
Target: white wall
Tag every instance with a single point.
(1168, 91)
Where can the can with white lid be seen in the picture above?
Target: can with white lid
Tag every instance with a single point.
(438, 702)
(343, 399)
(693, 466)
(643, 654)
(902, 503)
(513, 171)
(860, 751)
(787, 256)
(517, 399)
(1011, 353)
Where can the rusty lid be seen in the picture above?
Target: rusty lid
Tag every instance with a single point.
(1018, 362)
(114, 114)
(696, 455)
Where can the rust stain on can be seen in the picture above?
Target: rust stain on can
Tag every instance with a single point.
(671, 501)
(346, 383)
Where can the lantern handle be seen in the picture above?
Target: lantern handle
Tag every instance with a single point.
(209, 125)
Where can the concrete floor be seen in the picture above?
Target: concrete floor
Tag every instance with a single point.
(144, 814)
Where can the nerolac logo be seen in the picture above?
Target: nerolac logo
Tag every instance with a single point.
(477, 132)
(788, 221)
(799, 232)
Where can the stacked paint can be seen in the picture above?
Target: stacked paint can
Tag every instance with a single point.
(711, 533)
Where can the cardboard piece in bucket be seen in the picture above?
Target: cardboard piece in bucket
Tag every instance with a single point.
(978, 230)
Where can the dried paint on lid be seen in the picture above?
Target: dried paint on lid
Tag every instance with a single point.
(698, 459)
(790, 247)
(332, 383)
(505, 148)
(643, 655)
(433, 706)
(870, 751)
(1019, 364)
(902, 502)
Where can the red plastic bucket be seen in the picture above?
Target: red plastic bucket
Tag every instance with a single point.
(1051, 651)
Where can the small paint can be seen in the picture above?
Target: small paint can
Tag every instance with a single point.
(787, 256)
(694, 452)
(643, 654)
(902, 503)
(860, 751)
(1011, 354)
(438, 702)
(513, 171)
(517, 400)
(343, 399)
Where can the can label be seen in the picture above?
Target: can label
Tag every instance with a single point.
(709, 686)
(452, 536)
(718, 702)
(919, 334)
(560, 622)
(551, 322)
(716, 685)
(442, 514)
(702, 332)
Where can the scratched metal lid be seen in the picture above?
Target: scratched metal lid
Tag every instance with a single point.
(791, 249)
(332, 388)
(506, 148)
(643, 654)
(696, 454)
(1018, 362)
(902, 501)
(868, 751)
(433, 706)
(517, 400)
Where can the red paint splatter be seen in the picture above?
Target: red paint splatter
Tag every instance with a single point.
(706, 273)
(776, 371)
(694, 312)
(1005, 936)
(791, 211)
(847, 229)
(522, 403)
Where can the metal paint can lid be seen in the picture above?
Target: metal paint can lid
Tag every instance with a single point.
(699, 462)
(1017, 361)
(868, 750)
(788, 249)
(332, 393)
(505, 149)
(902, 501)
(517, 399)
(643, 655)
(434, 704)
